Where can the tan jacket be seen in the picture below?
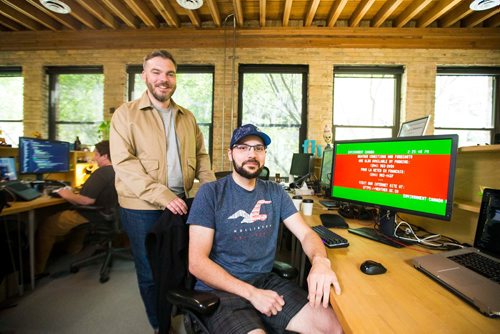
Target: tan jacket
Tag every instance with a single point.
(139, 154)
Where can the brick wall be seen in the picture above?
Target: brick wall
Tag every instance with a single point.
(418, 81)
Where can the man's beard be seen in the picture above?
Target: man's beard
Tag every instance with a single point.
(161, 98)
(246, 174)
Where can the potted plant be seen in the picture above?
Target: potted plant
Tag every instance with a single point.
(103, 130)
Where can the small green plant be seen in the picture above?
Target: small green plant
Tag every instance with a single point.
(103, 130)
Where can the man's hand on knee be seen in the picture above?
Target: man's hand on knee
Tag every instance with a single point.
(267, 302)
(320, 278)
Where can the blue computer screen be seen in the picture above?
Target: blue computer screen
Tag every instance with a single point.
(8, 169)
(38, 156)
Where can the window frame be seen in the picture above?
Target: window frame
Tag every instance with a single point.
(52, 72)
(132, 70)
(13, 71)
(397, 71)
(277, 68)
(475, 71)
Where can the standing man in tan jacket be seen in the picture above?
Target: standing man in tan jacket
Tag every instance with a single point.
(158, 151)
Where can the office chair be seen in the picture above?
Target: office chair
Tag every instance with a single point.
(193, 305)
(221, 174)
(264, 174)
(102, 228)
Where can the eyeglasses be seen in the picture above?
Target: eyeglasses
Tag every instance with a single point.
(246, 148)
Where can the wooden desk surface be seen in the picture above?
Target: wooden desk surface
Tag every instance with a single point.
(22, 206)
(403, 300)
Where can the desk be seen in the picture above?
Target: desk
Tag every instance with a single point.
(30, 207)
(403, 300)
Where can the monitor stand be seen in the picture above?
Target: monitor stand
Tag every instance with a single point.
(385, 232)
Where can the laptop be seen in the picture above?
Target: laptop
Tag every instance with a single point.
(22, 191)
(454, 270)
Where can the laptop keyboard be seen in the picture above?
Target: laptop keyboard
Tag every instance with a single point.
(480, 264)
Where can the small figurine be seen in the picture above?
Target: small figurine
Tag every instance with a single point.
(327, 135)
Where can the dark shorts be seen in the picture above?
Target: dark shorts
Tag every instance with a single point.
(237, 315)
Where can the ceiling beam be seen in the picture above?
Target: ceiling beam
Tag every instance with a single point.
(82, 15)
(286, 12)
(383, 14)
(122, 12)
(194, 17)
(169, 14)
(238, 12)
(214, 11)
(477, 18)
(262, 13)
(102, 14)
(360, 12)
(145, 14)
(313, 7)
(26, 9)
(298, 37)
(494, 22)
(416, 7)
(335, 12)
(436, 12)
(8, 23)
(455, 15)
(21, 19)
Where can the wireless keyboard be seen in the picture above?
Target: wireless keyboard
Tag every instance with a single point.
(330, 239)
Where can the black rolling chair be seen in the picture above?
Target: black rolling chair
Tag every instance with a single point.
(221, 174)
(264, 174)
(193, 305)
(103, 228)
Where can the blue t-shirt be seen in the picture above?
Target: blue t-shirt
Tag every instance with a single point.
(246, 224)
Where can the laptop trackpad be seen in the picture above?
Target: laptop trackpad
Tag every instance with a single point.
(459, 276)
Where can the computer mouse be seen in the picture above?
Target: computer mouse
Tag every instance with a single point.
(332, 220)
(371, 267)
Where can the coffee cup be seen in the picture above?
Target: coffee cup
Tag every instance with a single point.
(297, 200)
(307, 207)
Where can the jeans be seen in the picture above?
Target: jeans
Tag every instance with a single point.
(137, 224)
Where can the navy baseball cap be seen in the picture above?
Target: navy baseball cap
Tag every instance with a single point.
(248, 130)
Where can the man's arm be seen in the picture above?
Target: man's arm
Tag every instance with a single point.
(200, 265)
(76, 199)
(321, 276)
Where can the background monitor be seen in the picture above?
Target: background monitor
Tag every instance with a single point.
(326, 169)
(412, 174)
(39, 156)
(8, 169)
(300, 164)
(416, 127)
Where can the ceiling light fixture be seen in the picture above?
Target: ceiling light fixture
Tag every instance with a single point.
(56, 6)
(190, 4)
(484, 4)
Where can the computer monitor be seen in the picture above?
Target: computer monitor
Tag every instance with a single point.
(300, 164)
(39, 156)
(326, 170)
(8, 169)
(416, 127)
(409, 174)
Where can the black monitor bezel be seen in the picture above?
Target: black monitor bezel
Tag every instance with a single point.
(296, 156)
(451, 176)
(22, 157)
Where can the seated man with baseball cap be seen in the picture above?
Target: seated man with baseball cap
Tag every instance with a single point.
(233, 233)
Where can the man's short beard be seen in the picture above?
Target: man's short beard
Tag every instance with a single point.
(161, 98)
(248, 175)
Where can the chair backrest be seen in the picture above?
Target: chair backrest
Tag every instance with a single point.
(264, 174)
(221, 174)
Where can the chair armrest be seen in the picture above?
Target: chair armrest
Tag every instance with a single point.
(285, 270)
(87, 207)
(198, 301)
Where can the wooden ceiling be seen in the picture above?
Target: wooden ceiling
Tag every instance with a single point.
(19, 18)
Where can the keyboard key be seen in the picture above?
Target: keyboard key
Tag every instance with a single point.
(330, 239)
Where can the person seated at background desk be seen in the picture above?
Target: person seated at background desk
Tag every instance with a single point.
(233, 234)
(99, 190)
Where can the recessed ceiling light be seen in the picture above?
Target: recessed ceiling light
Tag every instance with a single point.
(484, 4)
(190, 4)
(56, 6)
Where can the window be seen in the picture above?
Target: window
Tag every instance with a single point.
(11, 104)
(366, 102)
(273, 97)
(195, 91)
(467, 104)
(76, 103)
